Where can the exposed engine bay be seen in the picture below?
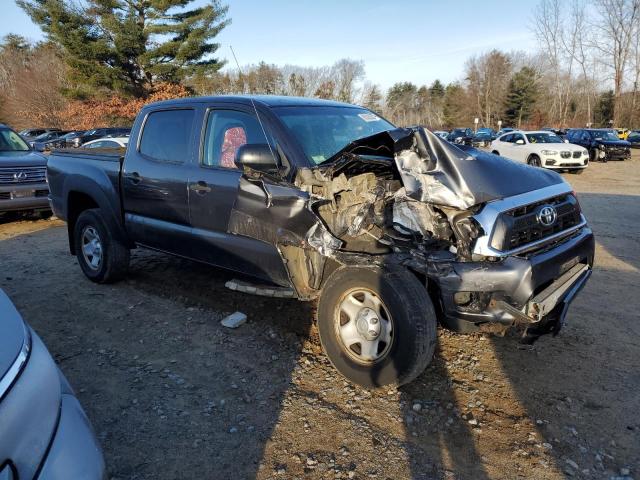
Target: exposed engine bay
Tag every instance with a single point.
(402, 196)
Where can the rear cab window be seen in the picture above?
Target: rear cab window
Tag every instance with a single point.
(166, 135)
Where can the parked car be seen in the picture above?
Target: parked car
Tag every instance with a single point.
(541, 149)
(23, 184)
(634, 138)
(441, 133)
(67, 141)
(42, 142)
(44, 433)
(487, 130)
(99, 133)
(461, 135)
(31, 133)
(622, 133)
(602, 144)
(115, 142)
(481, 139)
(560, 132)
(325, 200)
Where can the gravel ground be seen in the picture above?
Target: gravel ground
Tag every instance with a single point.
(173, 394)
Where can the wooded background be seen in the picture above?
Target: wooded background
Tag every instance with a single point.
(103, 59)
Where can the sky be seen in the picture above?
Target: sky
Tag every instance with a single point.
(416, 41)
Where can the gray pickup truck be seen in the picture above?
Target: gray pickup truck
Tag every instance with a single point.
(392, 230)
(23, 184)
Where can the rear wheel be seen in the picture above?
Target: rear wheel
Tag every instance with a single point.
(534, 161)
(102, 257)
(377, 325)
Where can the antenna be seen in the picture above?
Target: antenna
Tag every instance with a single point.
(264, 132)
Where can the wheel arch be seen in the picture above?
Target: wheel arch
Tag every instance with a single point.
(82, 196)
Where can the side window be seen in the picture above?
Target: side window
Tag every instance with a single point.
(586, 136)
(166, 135)
(517, 137)
(226, 131)
(506, 138)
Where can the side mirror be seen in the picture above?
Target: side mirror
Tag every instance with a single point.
(258, 157)
(519, 142)
(566, 141)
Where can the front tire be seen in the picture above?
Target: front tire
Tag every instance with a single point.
(377, 325)
(534, 161)
(102, 257)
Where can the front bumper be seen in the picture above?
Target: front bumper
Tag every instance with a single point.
(27, 196)
(74, 452)
(44, 433)
(478, 296)
(609, 154)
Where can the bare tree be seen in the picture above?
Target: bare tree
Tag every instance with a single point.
(616, 28)
(487, 80)
(559, 47)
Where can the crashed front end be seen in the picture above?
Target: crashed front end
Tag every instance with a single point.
(467, 224)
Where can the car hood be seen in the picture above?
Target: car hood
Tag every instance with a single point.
(559, 147)
(22, 159)
(437, 172)
(614, 143)
(13, 334)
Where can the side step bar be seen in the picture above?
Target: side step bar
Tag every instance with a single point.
(261, 290)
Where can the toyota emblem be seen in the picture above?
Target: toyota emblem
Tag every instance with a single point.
(547, 216)
(19, 176)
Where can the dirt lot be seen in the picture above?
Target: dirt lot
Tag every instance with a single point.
(173, 394)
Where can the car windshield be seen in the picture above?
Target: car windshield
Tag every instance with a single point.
(604, 135)
(324, 131)
(71, 135)
(10, 141)
(544, 138)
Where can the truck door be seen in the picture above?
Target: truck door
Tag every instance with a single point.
(213, 188)
(154, 180)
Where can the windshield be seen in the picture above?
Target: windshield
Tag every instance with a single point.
(324, 131)
(10, 141)
(71, 135)
(604, 135)
(544, 138)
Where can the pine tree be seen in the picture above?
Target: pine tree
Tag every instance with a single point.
(605, 108)
(128, 45)
(521, 96)
(436, 90)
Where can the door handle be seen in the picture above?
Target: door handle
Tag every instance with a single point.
(200, 187)
(135, 178)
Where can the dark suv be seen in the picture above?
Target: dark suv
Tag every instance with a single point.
(461, 135)
(602, 144)
(23, 184)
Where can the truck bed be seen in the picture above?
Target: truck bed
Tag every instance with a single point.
(82, 170)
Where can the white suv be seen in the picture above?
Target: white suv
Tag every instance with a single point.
(541, 149)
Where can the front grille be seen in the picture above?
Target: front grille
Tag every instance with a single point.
(42, 193)
(577, 154)
(565, 154)
(20, 175)
(519, 227)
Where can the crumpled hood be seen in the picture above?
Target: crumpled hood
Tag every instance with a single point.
(437, 172)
